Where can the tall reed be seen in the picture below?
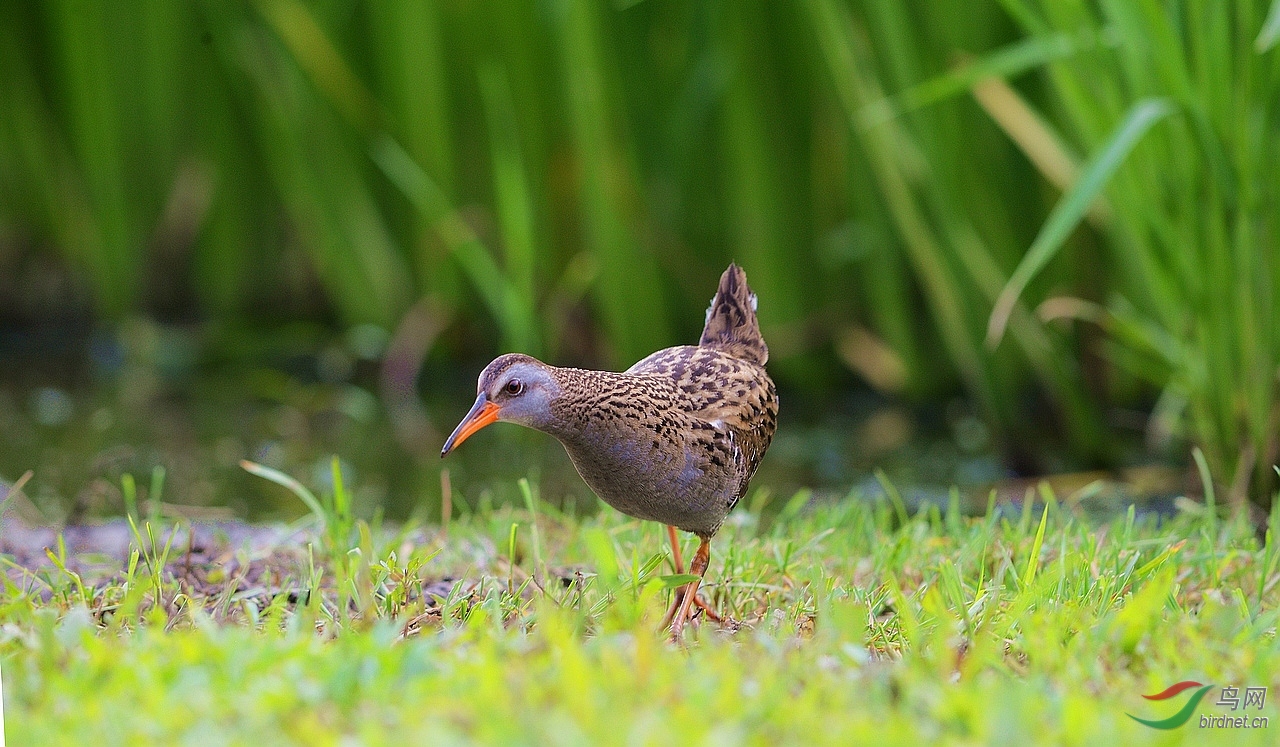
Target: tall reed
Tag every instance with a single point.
(1178, 105)
(574, 175)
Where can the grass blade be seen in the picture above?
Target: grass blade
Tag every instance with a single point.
(1033, 562)
(1270, 32)
(514, 200)
(498, 294)
(1018, 57)
(1074, 205)
(292, 485)
(1210, 497)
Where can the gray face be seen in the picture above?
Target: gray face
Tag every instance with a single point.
(522, 388)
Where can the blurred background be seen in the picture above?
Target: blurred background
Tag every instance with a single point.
(990, 239)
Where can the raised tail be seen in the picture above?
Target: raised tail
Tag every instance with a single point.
(731, 320)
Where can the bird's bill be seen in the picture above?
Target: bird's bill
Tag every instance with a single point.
(483, 412)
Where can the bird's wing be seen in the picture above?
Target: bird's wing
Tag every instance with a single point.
(737, 399)
(732, 402)
(749, 427)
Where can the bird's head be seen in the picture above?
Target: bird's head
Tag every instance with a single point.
(514, 388)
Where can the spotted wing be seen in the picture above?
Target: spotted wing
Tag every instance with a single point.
(732, 402)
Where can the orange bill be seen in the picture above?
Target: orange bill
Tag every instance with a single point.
(483, 412)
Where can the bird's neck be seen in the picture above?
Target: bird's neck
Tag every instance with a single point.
(577, 414)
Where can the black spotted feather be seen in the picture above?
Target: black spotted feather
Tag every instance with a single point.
(677, 437)
(731, 320)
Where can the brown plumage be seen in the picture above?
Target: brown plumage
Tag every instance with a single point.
(675, 438)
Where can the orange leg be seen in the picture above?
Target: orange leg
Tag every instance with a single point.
(675, 549)
(678, 561)
(698, 567)
(678, 599)
(680, 592)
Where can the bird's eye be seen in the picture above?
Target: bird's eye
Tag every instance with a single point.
(514, 387)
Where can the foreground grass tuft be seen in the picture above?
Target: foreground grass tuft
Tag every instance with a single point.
(529, 627)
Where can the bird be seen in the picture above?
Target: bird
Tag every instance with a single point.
(675, 438)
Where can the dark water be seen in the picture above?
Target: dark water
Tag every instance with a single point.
(82, 411)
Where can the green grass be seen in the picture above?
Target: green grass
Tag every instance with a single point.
(1026, 625)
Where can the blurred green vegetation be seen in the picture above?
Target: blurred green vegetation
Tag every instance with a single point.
(1067, 209)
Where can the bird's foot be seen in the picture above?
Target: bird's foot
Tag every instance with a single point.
(710, 614)
(701, 604)
(674, 621)
(683, 604)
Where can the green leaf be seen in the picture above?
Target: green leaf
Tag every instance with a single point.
(1074, 204)
(515, 203)
(476, 260)
(285, 481)
(1206, 479)
(1006, 62)
(1033, 562)
(1270, 29)
(1159, 560)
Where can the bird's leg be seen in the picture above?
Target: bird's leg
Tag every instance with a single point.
(675, 549)
(678, 598)
(698, 567)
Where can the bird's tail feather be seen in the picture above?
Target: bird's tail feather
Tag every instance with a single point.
(731, 320)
